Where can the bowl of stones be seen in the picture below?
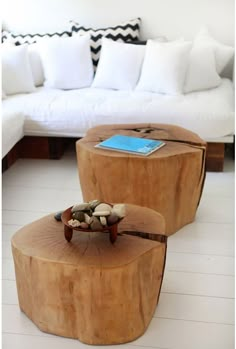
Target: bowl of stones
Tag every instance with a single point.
(93, 216)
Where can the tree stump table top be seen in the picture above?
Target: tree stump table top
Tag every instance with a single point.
(90, 289)
(170, 180)
(44, 239)
(178, 139)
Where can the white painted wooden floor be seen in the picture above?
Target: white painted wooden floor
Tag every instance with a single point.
(196, 307)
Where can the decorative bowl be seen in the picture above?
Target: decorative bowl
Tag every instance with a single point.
(68, 229)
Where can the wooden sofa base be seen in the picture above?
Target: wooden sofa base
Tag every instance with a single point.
(215, 157)
(54, 147)
(41, 147)
(37, 148)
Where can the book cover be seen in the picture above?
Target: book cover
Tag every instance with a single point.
(129, 144)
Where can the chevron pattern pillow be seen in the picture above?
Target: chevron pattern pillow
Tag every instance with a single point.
(4, 35)
(20, 39)
(127, 31)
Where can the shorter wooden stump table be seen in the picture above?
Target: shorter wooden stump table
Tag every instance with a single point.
(170, 180)
(89, 289)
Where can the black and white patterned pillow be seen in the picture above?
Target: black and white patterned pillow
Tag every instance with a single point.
(4, 35)
(20, 39)
(127, 31)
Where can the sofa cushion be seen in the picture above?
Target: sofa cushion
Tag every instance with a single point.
(36, 64)
(53, 112)
(223, 53)
(201, 73)
(164, 67)
(67, 62)
(126, 31)
(16, 70)
(12, 130)
(119, 65)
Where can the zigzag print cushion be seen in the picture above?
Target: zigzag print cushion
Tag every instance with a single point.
(127, 31)
(4, 35)
(19, 39)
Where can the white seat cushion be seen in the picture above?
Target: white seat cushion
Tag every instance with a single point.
(53, 112)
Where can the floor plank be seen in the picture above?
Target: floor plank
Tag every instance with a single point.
(177, 334)
(204, 238)
(15, 321)
(198, 284)
(216, 210)
(9, 292)
(194, 263)
(8, 271)
(8, 230)
(22, 217)
(39, 199)
(184, 307)
(37, 342)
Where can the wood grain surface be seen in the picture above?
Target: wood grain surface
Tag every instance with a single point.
(169, 180)
(90, 289)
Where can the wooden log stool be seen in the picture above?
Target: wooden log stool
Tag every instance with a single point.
(170, 180)
(90, 289)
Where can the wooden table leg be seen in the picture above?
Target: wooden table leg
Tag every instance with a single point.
(113, 233)
(68, 233)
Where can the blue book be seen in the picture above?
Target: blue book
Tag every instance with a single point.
(133, 145)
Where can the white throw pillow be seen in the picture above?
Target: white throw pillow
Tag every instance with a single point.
(119, 65)
(223, 52)
(164, 67)
(36, 64)
(16, 71)
(201, 73)
(67, 62)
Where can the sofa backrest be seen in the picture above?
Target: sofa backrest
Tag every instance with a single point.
(169, 18)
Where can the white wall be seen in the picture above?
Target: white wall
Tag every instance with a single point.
(172, 18)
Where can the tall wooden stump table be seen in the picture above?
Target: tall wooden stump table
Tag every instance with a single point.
(88, 288)
(170, 180)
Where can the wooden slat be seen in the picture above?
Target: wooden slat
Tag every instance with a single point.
(41, 147)
(215, 157)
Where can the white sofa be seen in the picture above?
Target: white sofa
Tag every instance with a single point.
(54, 112)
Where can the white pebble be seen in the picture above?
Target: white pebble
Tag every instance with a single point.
(101, 213)
(74, 223)
(103, 207)
(103, 221)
